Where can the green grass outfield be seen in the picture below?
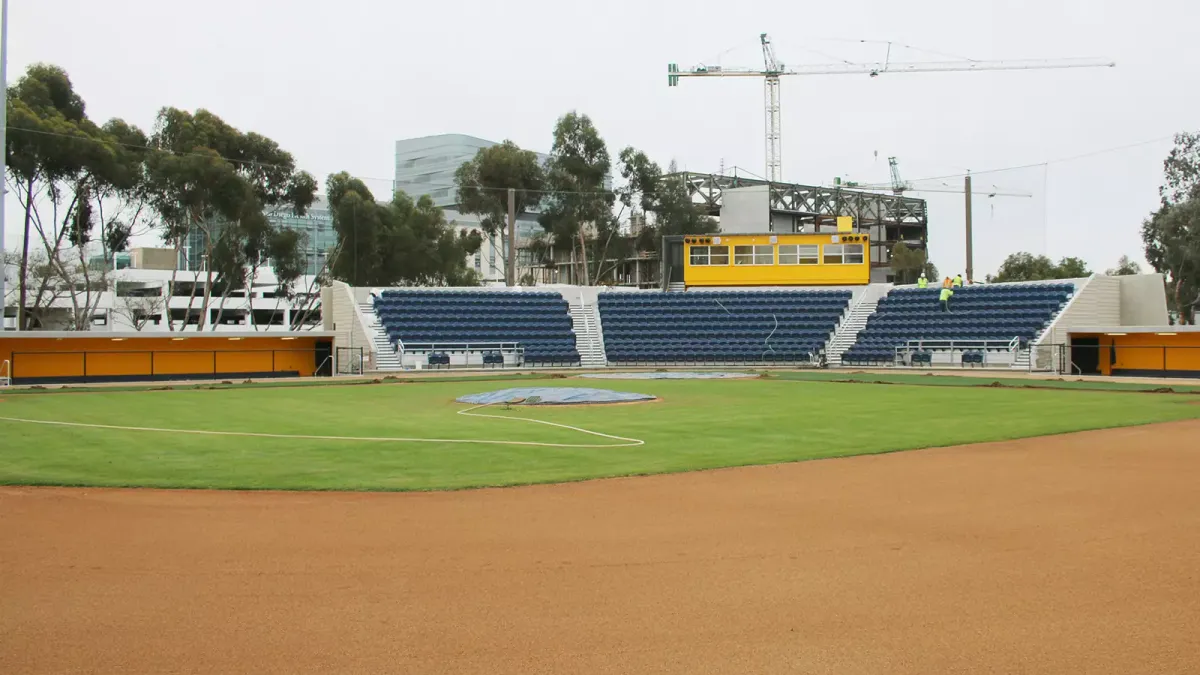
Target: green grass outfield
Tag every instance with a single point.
(696, 425)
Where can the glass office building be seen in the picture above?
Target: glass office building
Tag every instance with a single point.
(316, 225)
(426, 166)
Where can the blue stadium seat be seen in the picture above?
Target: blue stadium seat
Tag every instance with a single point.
(536, 320)
(994, 313)
(719, 326)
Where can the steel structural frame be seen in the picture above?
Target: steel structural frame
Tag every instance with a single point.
(872, 212)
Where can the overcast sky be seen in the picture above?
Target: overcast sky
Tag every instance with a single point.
(336, 83)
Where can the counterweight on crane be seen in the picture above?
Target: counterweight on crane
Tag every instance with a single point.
(773, 69)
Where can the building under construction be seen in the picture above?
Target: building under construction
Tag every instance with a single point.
(751, 206)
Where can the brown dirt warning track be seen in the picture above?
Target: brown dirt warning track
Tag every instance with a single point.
(1058, 555)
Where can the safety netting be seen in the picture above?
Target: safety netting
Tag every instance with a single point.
(668, 376)
(553, 396)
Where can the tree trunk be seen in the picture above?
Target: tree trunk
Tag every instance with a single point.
(583, 260)
(1185, 314)
(22, 319)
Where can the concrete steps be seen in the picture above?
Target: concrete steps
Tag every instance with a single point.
(589, 341)
(386, 359)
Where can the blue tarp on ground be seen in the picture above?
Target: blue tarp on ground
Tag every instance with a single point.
(553, 396)
(668, 376)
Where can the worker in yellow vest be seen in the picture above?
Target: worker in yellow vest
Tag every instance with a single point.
(947, 293)
(922, 282)
(957, 283)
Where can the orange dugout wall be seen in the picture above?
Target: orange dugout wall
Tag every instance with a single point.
(57, 358)
(1163, 353)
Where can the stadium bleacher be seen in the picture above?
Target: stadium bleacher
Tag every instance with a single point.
(537, 320)
(719, 326)
(981, 318)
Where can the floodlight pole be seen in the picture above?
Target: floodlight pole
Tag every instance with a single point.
(3, 153)
(512, 237)
(970, 244)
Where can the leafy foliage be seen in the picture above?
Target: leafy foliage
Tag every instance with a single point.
(1028, 267)
(483, 184)
(1126, 266)
(1171, 235)
(1172, 239)
(907, 264)
(576, 174)
(65, 170)
(401, 242)
(212, 179)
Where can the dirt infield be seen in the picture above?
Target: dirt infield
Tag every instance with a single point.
(1058, 555)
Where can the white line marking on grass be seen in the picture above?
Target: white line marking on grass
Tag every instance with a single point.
(625, 442)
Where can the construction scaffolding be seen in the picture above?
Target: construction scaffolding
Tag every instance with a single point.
(794, 208)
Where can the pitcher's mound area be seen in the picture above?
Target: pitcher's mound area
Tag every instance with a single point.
(1058, 555)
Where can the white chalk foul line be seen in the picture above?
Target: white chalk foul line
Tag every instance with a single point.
(624, 442)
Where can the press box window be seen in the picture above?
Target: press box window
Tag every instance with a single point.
(753, 255)
(799, 254)
(843, 254)
(710, 255)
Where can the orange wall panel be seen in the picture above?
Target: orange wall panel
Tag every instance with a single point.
(170, 354)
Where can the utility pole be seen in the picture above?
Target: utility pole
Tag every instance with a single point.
(970, 244)
(511, 274)
(3, 152)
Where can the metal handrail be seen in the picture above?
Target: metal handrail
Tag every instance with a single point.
(465, 346)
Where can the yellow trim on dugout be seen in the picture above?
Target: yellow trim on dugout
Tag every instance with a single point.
(775, 274)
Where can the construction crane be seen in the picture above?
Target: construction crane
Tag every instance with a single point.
(773, 69)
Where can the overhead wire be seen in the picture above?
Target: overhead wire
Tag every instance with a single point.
(248, 162)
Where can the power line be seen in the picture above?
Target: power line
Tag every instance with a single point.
(248, 162)
(1033, 165)
(1059, 160)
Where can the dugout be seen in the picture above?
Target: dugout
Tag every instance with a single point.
(1136, 351)
(732, 260)
(74, 357)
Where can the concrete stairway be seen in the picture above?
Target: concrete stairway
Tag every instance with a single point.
(852, 324)
(386, 360)
(589, 340)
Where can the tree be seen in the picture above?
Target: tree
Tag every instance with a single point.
(401, 242)
(1071, 268)
(1126, 266)
(140, 310)
(1171, 234)
(208, 179)
(1028, 267)
(576, 175)
(70, 176)
(1172, 239)
(1181, 170)
(907, 264)
(483, 184)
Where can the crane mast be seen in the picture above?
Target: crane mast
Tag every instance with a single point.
(774, 124)
(773, 70)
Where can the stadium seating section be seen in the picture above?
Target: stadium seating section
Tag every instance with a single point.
(538, 321)
(993, 313)
(692, 327)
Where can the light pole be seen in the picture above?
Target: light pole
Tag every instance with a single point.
(3, 153)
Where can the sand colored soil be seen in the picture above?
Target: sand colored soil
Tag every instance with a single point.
(1058, 555)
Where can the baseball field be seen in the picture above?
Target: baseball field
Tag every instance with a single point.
(1042, 529)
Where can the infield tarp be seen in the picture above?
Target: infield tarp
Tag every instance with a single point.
(553, 396)
(668, 376)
